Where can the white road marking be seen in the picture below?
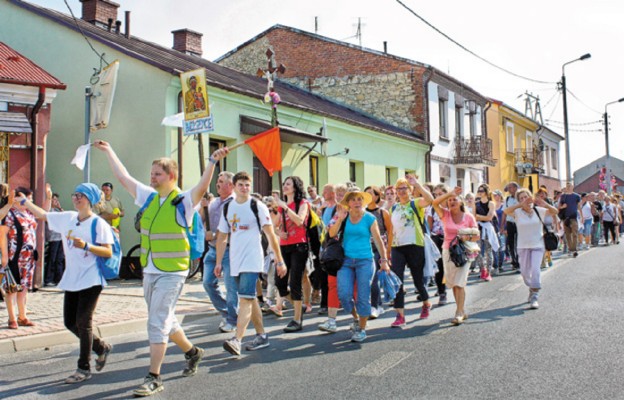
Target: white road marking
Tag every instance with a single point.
(302, 347)
(383, 364)
(482, 304)
(511, 287)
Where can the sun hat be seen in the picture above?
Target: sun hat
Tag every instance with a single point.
(356, 191)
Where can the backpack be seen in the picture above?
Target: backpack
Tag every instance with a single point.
(109, 267)
(196, 234)
(254, 209)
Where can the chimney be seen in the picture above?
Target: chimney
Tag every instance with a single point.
(98, 12)
(127, 24)
(187, 41)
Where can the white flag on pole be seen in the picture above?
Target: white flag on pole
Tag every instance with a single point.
(80, 159)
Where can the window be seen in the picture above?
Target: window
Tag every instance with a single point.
(546, 159)
(458, 121)
(314, 170)
(4, 106)
(473, 124)
(529, 142)
(460, 177)
(213, 146)
(352, 174)
(443, 118)
(388, 177)
(554, 159)
(509, 129)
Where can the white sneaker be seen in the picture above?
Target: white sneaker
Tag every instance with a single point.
(380, 311)
(227, 327)
(534, 305)
(374, 313)
(329, 326)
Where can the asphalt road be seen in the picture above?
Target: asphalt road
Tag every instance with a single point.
(571, 348)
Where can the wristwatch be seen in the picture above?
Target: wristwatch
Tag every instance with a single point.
(279, 264)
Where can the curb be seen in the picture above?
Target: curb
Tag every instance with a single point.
(47, 340)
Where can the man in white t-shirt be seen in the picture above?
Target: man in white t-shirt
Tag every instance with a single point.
(243, 225)
(164, 270)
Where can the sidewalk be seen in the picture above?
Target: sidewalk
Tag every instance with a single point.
(121, 309)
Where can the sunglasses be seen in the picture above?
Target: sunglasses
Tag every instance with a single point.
(78, 196)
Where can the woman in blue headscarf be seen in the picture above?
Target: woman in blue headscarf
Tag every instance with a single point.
(82, 280)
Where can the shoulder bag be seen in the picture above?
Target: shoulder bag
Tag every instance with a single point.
(457, 251)
(332, 253)
(551, 240)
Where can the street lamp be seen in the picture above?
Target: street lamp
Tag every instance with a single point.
(608, 163)
(565, 114)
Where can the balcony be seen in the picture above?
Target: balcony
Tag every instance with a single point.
(474, 151)
(529, 161)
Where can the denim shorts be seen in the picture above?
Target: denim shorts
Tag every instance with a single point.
(587, 225)
(247, 284)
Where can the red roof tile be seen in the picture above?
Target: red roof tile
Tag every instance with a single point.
(19, 70)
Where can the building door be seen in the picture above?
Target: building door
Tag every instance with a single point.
(262, 181)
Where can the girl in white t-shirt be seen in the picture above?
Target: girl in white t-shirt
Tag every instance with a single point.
(82, 280)
(529, 214)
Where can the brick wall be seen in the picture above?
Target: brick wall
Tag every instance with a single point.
(99, 11)
(385, 87)
(187, 41)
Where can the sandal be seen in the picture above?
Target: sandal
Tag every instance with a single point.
(25, 322)
(80, 375)
(12, 324)
(278, 313)
(100, 362)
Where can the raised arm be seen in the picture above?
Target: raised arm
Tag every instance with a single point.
(204, 182)
(298, 218)
(38, 212)
(437, 202)
(119, 170)
(423, 197)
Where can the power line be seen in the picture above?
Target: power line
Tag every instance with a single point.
(468, 50)
(555, 107)
(100, 55)
(581, 101)
(575, 123)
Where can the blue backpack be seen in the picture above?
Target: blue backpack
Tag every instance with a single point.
(109, 267)
(196, 233)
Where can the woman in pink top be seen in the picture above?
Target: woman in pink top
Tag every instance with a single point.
(454, 217)
(294, 246)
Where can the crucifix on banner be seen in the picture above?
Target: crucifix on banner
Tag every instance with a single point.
(270, 74)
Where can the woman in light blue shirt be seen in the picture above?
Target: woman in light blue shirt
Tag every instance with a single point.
(357, 227)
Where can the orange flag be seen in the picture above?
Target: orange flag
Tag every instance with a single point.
(268, 148)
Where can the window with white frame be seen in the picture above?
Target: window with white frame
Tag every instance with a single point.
(529, 141)
(458, 121)
(554, 159)
(442, 106)
(473, 124)
(509, 135)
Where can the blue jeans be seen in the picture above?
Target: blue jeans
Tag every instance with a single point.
(226, 304)
(358, 271)
(247, 284)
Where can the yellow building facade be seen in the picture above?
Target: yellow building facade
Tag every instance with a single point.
(514, 143)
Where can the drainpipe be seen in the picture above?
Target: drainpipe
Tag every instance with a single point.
(34, 159)
(427, 77)
(486, 170)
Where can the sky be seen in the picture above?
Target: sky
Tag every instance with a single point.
(532, 38)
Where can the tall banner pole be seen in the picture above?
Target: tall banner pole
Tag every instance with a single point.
(87, 134)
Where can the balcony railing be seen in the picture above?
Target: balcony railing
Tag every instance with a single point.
(530, 161)
(474, 151)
